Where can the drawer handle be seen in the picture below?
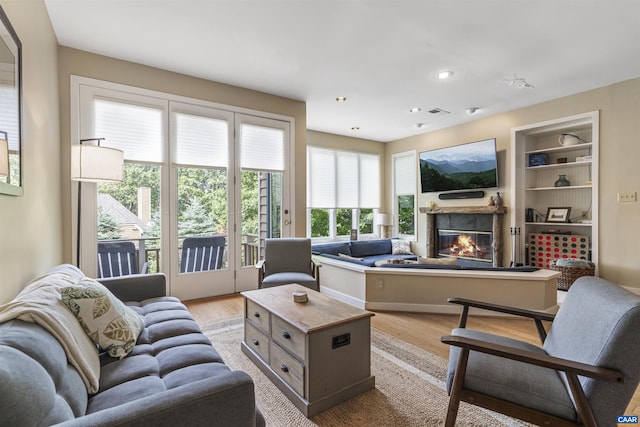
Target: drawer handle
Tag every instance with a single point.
(286, 335)
(284, 368)
(256, 314)
(256, 342)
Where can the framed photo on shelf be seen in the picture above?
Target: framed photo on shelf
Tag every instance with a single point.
(558, 214)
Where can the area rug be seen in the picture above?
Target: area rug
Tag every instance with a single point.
(410, 388)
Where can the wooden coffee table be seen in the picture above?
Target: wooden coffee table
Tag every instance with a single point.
(317, 353)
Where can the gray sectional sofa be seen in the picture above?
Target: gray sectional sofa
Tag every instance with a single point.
(173, 376)
(362, 252)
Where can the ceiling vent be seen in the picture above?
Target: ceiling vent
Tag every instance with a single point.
(439, 111)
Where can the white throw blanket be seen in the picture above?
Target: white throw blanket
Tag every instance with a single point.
(40, 302)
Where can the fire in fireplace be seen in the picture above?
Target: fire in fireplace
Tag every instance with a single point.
(472, 245)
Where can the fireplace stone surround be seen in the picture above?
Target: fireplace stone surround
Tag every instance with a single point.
(469, 218)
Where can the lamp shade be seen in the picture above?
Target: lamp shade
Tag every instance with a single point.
(93, 163)
(384, 219)
(4, 157)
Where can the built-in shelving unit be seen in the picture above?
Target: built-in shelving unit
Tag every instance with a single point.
(533, 189)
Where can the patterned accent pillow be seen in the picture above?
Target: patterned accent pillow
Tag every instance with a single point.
(401, 247)
(109, 323)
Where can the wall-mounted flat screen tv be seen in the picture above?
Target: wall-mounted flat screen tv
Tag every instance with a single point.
(461, 167)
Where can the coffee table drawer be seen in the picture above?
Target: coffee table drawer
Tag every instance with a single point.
(288, 337)
(257, 340)
(287, 368)
(258, 315)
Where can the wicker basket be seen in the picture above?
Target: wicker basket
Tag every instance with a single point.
(570, 274)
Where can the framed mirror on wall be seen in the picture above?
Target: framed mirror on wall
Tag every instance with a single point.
(10, 109)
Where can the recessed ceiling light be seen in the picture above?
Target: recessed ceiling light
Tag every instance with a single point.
(355, 128)
(472, 110)
(420, 125)
(341, 99)
(415, 109)
(443, 75)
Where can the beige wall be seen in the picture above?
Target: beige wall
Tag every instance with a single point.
(619, 107)
(31, 238)
(80, 63)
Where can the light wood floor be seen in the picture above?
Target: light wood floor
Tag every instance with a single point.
(419, 329)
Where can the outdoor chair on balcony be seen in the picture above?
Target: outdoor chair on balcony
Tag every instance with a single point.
(118, 259)
(585, 373)
(288, 261)
(202, 253)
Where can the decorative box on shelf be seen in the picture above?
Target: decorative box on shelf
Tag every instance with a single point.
(545, 247)
(538, 159)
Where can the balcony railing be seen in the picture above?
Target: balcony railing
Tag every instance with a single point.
(149, 248)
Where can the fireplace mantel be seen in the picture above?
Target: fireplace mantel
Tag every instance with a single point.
(498, 213)
(488, 210)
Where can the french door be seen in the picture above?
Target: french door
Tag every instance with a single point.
(262, 198)
(191, 170)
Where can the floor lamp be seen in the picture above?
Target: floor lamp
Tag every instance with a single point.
(93, 163)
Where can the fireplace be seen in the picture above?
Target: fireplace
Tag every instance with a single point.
(465, 244)
(483, 224)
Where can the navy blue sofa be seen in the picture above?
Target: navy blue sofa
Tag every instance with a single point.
(362, 252)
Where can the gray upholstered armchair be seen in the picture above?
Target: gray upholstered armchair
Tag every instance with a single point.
(288, 260)
(584, 374)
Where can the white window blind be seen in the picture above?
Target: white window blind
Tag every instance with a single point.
(348, 180)
(132, 128)
(262, 148)
(404, 173)
(342, 179)
(369, 169)
(201, 141)
(9, 122)
(321, 178)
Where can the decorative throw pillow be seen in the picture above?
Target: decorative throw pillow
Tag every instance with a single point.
(109, 323)
(401, 247)
(439, 261)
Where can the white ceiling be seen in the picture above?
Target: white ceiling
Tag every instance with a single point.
(380, 54)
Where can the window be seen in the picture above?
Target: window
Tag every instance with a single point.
(404, 193)
(201, 160)
(343, 191)
(131, 210)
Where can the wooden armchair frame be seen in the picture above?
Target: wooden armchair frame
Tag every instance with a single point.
(570, 368)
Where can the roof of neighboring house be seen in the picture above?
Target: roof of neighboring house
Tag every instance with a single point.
(120, 214)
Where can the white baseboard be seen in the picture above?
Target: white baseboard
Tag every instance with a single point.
(356, 302)
(632, 290)
(412, 308)
(438, 309)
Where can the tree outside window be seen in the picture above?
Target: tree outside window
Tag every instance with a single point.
(319, 222)
(366, 221)
(344, 221)
(406, 217)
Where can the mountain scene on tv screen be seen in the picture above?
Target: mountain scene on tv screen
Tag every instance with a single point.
(460, 174)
